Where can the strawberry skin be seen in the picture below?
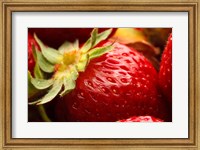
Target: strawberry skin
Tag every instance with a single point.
(165, 73)
(119, 84)
(54, 37)
(141, 119)
(31, 61)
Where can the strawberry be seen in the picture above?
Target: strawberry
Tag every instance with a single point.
(54, 37)
(31, 61)
(165, 73)
(117, 85)
(101, 81)
(141, 119)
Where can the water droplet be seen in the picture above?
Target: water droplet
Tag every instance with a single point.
(138, 94)
(103, 89)
(138, 84)
(111, 79)
(143, 79)
(114, 90)
(89, 83)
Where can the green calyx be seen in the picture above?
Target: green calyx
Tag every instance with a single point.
(56, 71)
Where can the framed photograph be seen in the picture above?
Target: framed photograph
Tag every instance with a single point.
(107, 75)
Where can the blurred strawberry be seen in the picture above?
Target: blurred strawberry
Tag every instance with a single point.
(31, 61)
(141, 119)
(165, 74)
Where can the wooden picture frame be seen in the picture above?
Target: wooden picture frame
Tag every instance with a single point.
(9, 6)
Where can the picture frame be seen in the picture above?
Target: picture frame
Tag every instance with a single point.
(8, 7)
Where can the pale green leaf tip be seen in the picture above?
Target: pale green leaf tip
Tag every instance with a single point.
(33, 103)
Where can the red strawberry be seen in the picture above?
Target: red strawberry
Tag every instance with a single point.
(141, 119)
(165, 74)
(117, 85)
(31, 61)
(101, 82)
(54, 37)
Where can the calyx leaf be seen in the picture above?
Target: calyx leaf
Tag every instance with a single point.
(99, 37)
(43, 63)
(69, 85)
(94, 36)
(51, 54)
(41, 83)
(52, 93)
(97, 52)
(31, 89)
(66, 46)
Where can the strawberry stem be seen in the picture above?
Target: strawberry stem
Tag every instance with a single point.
(43, 113)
